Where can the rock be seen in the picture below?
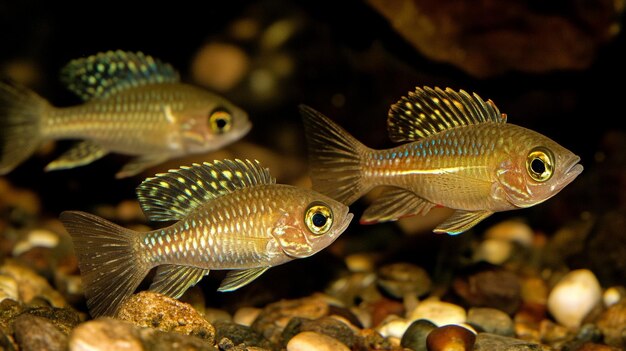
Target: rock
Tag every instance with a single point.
(415, 336)
(246, 315)
(360, 286)
(239, 334)
(393, 326)
(494, 251)
(450, 337)
(613, 295)
(325, 325)
(148, 309)
(511, 231)
(493, 287)
(213, 315)
(534, 290)
(34, 333)
(154, 340)
(383, 308)
(275, 316)
(311, 341)
(370, 339)
(596, 347)
(612, 323)
(573, 297)
(491, 321)
(8, 288)
(489, 38)
(360, 262)
(64, 319)
(400, 279)
(492, 342)
(552, 333)
(438, 312)
(30, 285)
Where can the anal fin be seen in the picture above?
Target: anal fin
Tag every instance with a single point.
(173, 280)
(239, 278)
(393, 204)
(80, 154)
(461, 221)
(139, 164)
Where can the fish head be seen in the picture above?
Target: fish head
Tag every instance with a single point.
(537, 169)
(314, 223)
(211, 122)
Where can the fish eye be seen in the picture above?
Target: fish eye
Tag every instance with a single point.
(220, 121)
(540, 164)
(318, 218)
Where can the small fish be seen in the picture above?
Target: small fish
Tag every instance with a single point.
(134, 105)
(460, 153)
(230, 215)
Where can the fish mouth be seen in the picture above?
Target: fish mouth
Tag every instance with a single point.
(573, 171)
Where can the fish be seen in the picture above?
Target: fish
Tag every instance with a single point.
(134, 105)
(230, 215)
(457, 152)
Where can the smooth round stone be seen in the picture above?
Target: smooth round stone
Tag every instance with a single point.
(612, 323)
(438, 312)
(246, 315)
(8, 288)
(415, 336)
(494, 251)
(393, 327)
(105, 334)
(311, 341)
(360, 262)
(35, 333)
(512, 231)
(492, 342)
(573, 297)
(613, 295)
(450, 338)
(491, 320)
(400, 279)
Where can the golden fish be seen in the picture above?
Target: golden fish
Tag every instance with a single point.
(460, 154)
(134, 105)
(230, 215)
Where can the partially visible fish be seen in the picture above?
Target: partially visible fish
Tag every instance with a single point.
(134, 105)
(460, 153)
(230, 215)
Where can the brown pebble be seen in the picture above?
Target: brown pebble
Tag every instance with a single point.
(450, 337)
(596, 347)
(612, 323)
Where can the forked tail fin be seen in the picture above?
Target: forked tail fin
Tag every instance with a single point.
(21, 111)
(110, 265)
(334, 158)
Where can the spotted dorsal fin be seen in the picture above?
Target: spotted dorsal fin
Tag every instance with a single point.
(429, 111)
(173, 195)
(105, 73)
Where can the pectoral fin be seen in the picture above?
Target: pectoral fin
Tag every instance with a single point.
(393, 204)
(461, 221)
(239, 278)
(79, 155)
(173, 280)
(139, 164)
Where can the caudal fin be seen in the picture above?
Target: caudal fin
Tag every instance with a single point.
(109, 263)
(334, 158)
(20, 113)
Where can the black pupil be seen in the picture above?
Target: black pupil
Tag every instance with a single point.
(319, 219)
(538, 166)
(220, 123)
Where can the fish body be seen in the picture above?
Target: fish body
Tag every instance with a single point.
(134, 105)
(459, 153)
(229, 215)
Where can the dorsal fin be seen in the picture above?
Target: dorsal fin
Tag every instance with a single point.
(108, 72)
(429, 111)
(173, 195)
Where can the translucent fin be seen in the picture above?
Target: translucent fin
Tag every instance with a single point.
(110, 267)
(140, 164)
(429, 111)
(173, 280)
(109, 72)
(173, 195)
(20, 113)
(393, 204)
(461, 221)
(239, 278)
(80, 154)
(334, 158)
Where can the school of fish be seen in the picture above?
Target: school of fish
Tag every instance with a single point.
(134, 105)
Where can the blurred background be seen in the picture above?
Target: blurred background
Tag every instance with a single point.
(557, 67)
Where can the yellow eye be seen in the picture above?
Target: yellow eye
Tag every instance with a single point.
(318, 218)
(220, 121)
(540, 164)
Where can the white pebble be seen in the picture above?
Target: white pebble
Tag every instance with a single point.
(494, 251)
(393, 326)
(311, 341)
(573, 297)
(438, 312)
(513, 231)
(613, 295)
(36, 238)
(246, 315)
(8, 288)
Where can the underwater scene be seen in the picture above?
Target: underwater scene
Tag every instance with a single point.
(331, 175)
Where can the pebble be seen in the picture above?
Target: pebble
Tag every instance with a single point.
(311, 341)
(384, 307)
(8, 288)
(552, 333)
(239, 334)
(30, 285)
(438, 312)
(492, 287)
(401, 279)
(36, 238)
(148, 309)
(213, 315)
(491, 320)
(573, 297)
(360, 262)
(34, 333)
(246, 315)
(450, 337)
(415, 336)
(105, 334)
(613, 295)
(492, 342)
(612, 323)
(511, 231)
(326, 325)
(393, 326)
(494, 251)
